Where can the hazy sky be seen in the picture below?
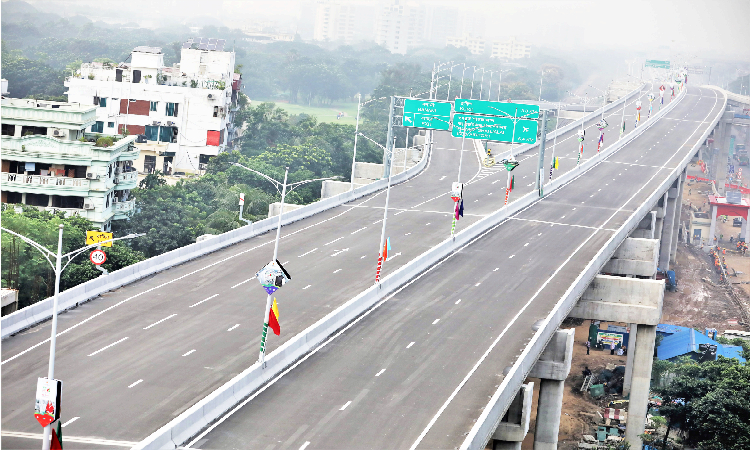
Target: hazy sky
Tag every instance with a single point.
(658, 28)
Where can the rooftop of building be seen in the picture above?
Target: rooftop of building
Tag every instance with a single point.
(33, 104)
(683, 340)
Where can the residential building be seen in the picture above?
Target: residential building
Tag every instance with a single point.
(4, 87)
(511, 49)
(185, 111)
(400, 25)
(474, 44)
(49, 161)
(344, 21)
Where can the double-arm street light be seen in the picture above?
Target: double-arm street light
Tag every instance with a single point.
(284, 188)
(58, 268)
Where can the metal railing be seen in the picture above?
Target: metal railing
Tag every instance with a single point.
(40, 180)
(123, 207)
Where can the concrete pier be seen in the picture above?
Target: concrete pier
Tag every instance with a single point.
(640, 385)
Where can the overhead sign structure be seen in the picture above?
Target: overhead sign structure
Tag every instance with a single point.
(502, 109)
(47, 406)
(426, 114)
(95, 237)
(272, 276)
(493, 128)
(98, 257)
(658, 64)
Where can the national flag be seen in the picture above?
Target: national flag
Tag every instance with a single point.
(56, 443)
(273, 318)
(461, 209)
(386, 248)
(511, 183)
(601, 141)
(623, 127)
(455, 210)
(556, 163)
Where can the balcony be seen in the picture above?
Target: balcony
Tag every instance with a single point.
(41, 184)
(126, 180)
(123, 209)
(57, 151)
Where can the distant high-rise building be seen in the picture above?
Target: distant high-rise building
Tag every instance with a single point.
(400, 25)
(511, 49)
(344, 21)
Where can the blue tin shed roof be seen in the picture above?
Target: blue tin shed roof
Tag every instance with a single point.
(687, 341)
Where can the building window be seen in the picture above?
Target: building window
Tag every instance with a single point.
(152, 132)
(103, 102)
(110, 124)
(216, 111)
(98, 127)
(154, 105)
(172, 109)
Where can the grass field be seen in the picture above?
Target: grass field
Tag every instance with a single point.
(325, 113)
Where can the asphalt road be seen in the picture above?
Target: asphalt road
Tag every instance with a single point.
(418, 369)
(136, 357)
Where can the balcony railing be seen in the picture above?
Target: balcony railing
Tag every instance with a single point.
(40, 180)
(127, 177)
(124, 207)
(69, 212)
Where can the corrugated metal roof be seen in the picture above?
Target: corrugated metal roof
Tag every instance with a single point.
(681, 343)
(670, 329)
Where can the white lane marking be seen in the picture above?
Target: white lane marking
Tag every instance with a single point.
(490, 193)
(458, 301)
(403, 211)
(357, 231)
(162, 320)
(337, 271)
(338, 239)
(393, 256)
(427, 223)
(436, 321)
(380, 373)
(539, 234)
(410, 344)
(191, 351)
(110, 345)
(77, 440)
(304, 446)
(476, 201)
(526, 244)
(477, 284)
(285, 263)
(511, 256)
(307, 253)
(496, 269)
(233, 327)
(137, 382)
(598, 190)
(209, 298)
(574, 209)
(363, 257)
(520, 312)
(345, 405)
(562, 217)
(376, 222)
(338, 252)
(407, 233)
(70, 421)
(306, 287)
(442, 178)
(243, 282)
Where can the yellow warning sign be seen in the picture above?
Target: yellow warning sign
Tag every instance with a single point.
(94, 237)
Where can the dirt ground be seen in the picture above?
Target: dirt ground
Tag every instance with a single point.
(700, 301)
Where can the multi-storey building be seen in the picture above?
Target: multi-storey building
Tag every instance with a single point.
(400, 25)
(474, 44)
(49, 161)
(183, 113)
(343, 21)
(511, 49)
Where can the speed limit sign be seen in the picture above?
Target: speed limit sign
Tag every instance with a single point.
(98, 257)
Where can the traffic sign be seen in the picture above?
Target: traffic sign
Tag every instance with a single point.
(502, 109)
(425, 121)
(98, 257)
(494, 128)
(427, 107)
(95, 237)
(658, 64)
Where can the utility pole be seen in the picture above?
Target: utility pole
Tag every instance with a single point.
(540, 164)
(356, 133)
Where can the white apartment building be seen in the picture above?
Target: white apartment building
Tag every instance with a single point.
(182, 113)
(343, 20)
(511, 49)
(474, 44)
(400, 25)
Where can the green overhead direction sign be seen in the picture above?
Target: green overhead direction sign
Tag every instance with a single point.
(495, 128)
(658, 64)
(502, 109)
(426, 114)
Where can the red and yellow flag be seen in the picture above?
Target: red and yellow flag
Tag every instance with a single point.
(273, 318)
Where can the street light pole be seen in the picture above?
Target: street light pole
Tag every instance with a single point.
(481, 85)
(473, 74)
(356, 131)
(55, 302)
(385, 215)
(460, 94)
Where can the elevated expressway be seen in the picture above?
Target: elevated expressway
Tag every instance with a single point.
(139, 356)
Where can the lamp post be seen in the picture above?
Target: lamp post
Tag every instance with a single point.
(500, 82)
(385, 210)
(58, 257)
(448, 97)
(284, 186)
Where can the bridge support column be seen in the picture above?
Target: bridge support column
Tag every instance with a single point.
(725, 131)
(660, 208)
(513, 428)
(632, 340)
(552, 368)
(641, 382)
(634, 257)
(677, 218)
(646, 227)
(665, 249)
(635, 301)
(712, 229)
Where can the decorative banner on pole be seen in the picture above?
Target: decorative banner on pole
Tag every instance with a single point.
(651, 98)
(638, 113)
(457, 191)
(581, 138)
(47, 407)
(272, 276)
(601, 125)
(661, 94)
